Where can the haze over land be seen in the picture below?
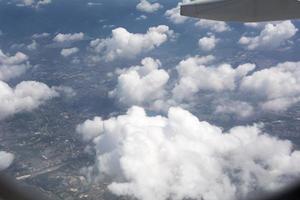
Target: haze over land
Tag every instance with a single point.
(127, 99)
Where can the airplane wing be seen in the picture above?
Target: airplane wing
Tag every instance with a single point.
(242, 10)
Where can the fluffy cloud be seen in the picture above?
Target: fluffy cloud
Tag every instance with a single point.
(64, 91)
(140, 85)
(272, 89)
(12, 66)
(26, 96)
(195, 76)
(272, 36)
(180, 157)
(238, 108)
(40, 35)
(68, 37)
(11, 60)
(260, 25)
(174, 15)
(90, 128)
(216, 26)
(237, 90)
(124, 44)
(146, 6)
(33, 46)
(255, 24)
(34, 3)
(69, 52)
(275, 88)
(94, 4)
(208, 43)
(142, 17)
(43, 2)
(5, 159)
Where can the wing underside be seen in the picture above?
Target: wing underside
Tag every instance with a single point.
(243, 10)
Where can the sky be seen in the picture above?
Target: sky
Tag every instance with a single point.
(185, 102)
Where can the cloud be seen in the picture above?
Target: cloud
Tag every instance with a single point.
(238, 108)
(142, 17)
(40, 35)
(94, 4)
(43, 2)
(61, 37)
(123, 44)
(146, 6)
(12, 66)
(272, 36)
(241, 90)
(174, 15)
(69, 52)
(33, 46)
(194, 76)
(208, 43)
(216, 26)
(25, 96)
(225, 89)
(33, 3)
(260, 25)
(11, 60)
(275, 88)
(180, 157)
(256, 24)
(140, 85)
(65, 91)
(90, 128)
(5, 160)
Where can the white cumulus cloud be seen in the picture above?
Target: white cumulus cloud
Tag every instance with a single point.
(40, 35)
(25, 96)
(272, 36)
(90, 128)
(68, 37)
(208, 43)
(215, 26)
(194, 76)
(12, 66)
(238, 108)
(34, 3)
(123, 44)
(237, 90)
(276, 88)
(146, 6)
(5, 159)
(68, 52)
(140, 85)
(181, 157)
(33, 46)
(174, 16)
